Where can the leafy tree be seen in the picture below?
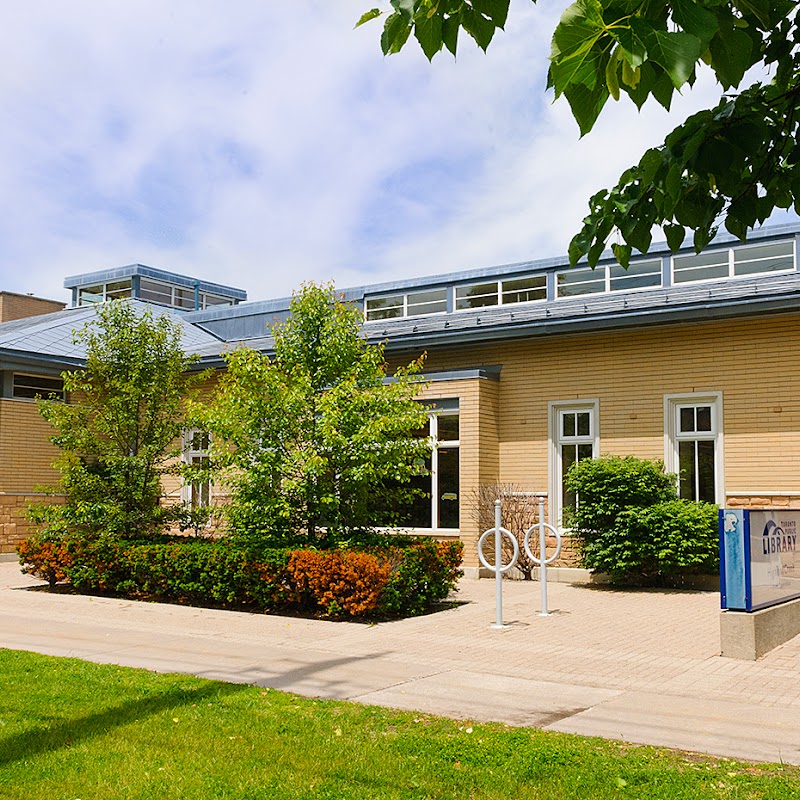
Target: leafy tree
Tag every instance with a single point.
(118, 438)
(312, 440)
(732, 164)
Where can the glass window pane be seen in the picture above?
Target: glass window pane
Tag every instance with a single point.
(568, 424)
(580, 281)
(705, 471)
(583, 423)
(686, 417)
(639, 275)
(448, 427)
(448, 487)
(703, 419)
(430, 302)
(384, 307)
(524, 290)
(701, 267)
(478, 295)
(773, 257)
(686, 467)
(569, 455)
(585, 451)
(215, 300)
(184, 298)
(155, 292)
(90, 294)
(118, 289)
(29, 387)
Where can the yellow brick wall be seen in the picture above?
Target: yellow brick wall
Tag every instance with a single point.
(26, 455)
(19, 306)
(750, 361)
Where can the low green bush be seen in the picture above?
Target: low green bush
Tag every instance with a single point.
(631, 525)
(400, 577)
(650, 545)
(610, 484)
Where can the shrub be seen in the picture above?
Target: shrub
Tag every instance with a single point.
(396, 580)
(45, 556)
(607, 485)
(339, 581)
(647, 545)
(422, 574)
(632, 526)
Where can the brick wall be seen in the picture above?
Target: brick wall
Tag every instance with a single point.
(19, 306)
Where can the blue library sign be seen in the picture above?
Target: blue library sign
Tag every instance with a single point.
(759, 564)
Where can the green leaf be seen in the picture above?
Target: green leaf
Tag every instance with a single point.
(675, 52)
(405, 8)
(428, 32)
(395, 34)
(695, 19)
(373, 13)
(635, 51)
(576, 56)
(495, 10)
(478, 27)
(586, 105)
(450, 28)
(731, 51)
(675, 235)
(622, 252)
(649, 164)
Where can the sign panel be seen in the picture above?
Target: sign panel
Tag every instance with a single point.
(759, 561)
(774, 564)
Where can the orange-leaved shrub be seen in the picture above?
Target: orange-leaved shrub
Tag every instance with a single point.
(339, 580)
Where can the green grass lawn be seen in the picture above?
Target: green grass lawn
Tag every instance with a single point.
(80, 731)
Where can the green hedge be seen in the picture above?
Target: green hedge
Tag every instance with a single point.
(393, 580)
(632, 526)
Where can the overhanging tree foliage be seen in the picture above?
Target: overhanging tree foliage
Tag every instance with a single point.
(314, 440)
(118, 436)
(732, 165)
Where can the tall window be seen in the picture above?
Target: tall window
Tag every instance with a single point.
(694, 445)
(437, 477)
(196, 494)
(574, 436)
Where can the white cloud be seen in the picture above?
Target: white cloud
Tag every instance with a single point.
(261, 144)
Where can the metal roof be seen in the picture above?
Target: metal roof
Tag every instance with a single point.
(51, 335)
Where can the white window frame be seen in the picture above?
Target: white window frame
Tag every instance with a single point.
(673, 403)
(555, 411)
(436, 443)
(188, 453)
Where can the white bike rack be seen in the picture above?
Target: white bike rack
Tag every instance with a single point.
(499, 568)
(542, 560)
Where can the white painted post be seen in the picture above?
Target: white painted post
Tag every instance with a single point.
(542, 559)
(499, 531)
(498, 558)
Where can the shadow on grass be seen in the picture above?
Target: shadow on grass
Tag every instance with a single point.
(67, 733)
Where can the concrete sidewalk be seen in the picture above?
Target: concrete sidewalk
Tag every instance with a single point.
(638, 666)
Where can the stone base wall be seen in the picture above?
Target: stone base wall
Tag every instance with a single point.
(763, 501)
(14, 525)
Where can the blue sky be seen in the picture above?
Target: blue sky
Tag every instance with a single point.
(264, 143)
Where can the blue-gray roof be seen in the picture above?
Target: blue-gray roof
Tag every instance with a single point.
(211, 332)
(50, 335)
